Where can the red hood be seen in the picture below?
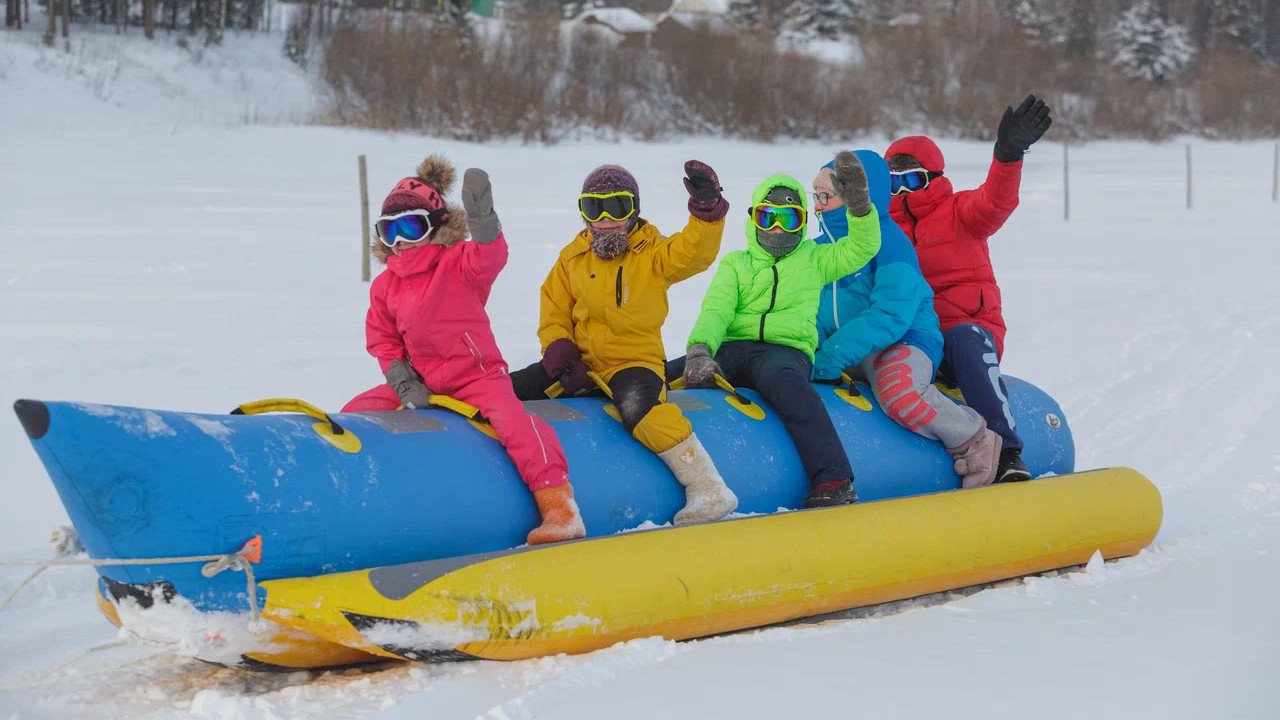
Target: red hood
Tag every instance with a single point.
(418, 260)
(920, 203)
(920, 148)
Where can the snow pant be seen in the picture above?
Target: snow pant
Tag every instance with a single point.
(901, 378)
(638, 393)
(970, 362)
(528, 439)
(781, 375)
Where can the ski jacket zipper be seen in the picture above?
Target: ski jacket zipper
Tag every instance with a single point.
(773, 299)
(618, 288)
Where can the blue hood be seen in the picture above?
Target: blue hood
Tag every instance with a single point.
(886, 302)
(833, 222)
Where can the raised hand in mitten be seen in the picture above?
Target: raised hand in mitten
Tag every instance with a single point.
(477, 199)
(705, 201)
(850, 183)
(699, 369)
(1020, 128)
(408, 385)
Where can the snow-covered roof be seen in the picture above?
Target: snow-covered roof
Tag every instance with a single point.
(699, 7)
(696, 21)
(622, 20)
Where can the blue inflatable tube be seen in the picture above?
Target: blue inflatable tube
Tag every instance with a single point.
(421, 485)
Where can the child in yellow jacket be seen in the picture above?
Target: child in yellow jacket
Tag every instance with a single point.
(603, 306)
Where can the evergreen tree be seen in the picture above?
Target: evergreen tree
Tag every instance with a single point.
(1149, 47)
(1044, 19)
(745, 14)
(1234, 23)
(827, 19)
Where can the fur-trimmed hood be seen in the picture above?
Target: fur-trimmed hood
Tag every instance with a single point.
(438, 175)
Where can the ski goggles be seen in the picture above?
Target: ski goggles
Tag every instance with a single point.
(791, 218)
(614, 206)
(409, 226)
(909, 181)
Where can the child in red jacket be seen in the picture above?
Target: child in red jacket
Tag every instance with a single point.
(949, 231)
(428, 328)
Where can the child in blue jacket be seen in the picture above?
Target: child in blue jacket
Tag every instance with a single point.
(880, 323)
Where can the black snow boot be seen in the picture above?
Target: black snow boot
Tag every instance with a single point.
(1011, 467)
(831, 494)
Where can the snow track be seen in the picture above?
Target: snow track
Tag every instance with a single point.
(201, 267)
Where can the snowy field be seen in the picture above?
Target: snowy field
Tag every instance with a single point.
(159, 252)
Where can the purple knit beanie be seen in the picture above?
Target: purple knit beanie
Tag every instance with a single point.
(612, 178)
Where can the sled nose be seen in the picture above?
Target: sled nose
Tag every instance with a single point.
(34, 416)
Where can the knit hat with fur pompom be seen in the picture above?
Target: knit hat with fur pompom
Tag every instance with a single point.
(426, 191)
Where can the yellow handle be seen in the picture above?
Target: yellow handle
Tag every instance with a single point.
(555, 391)
(288, 405)
(469, 412)
(600, 383)
(677, 384)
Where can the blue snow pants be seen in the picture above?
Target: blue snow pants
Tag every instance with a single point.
(969, 361)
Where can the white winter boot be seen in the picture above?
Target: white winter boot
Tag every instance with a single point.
(706, 496)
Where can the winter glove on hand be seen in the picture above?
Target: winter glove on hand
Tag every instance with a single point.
(408, 384)
(699, 369)
(850, 183)
(1020, 128)
(705, 201)
(563, 362)
(477, 199)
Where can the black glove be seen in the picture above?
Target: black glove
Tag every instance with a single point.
(850, 183)
(407, 383)
(1020, 128)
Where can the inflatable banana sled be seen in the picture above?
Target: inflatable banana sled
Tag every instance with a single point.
(701, 580)
(337, 493)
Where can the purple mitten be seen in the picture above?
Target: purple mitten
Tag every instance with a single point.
(705, 201)
(558, 356)
(563, 362)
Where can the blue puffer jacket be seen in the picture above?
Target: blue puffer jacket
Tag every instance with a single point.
(885, 303)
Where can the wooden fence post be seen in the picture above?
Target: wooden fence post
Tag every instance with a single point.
(1188, 176)
(1275, 175)
(364, 221)
(1066, 182)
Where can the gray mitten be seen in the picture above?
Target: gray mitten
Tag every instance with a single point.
(699, 369)
(850, 183)
(408, 384)
(477, 200)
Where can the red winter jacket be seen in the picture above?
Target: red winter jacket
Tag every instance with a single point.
(429, 307)
(950, 230)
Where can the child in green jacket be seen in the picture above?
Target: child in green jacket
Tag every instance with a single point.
(758, 323)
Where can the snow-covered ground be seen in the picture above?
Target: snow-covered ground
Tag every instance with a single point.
(159, 252)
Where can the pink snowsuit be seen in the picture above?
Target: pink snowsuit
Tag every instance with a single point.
(429, 307)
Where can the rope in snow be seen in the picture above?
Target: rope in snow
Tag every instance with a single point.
(66, 543)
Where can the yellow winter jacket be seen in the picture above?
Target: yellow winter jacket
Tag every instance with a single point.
(613, 310)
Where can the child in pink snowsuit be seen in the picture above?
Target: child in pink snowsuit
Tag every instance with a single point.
(428, 328)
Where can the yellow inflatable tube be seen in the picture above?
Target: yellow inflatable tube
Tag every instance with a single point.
(701, 580)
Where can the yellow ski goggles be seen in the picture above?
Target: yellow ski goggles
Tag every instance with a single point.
(614, 206)
(766, 216)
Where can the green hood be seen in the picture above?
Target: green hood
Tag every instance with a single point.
(757, 197)
(755, 296)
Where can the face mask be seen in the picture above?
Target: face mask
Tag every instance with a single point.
(608, 245)
(780, 244)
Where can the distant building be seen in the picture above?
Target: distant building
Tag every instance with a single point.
(688, 16)
(623, 27)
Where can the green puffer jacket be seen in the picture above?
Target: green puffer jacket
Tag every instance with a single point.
(755, 296)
